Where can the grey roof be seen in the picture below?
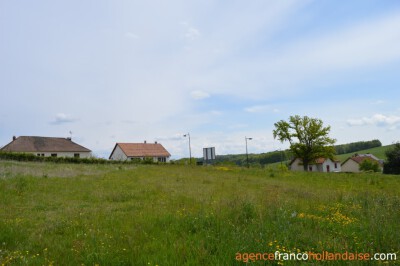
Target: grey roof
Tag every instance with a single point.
(43, 144)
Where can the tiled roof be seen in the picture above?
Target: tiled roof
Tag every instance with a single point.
(143, 149)
(361, 157)
(43, 144)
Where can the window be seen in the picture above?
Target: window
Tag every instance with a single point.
(42, 154)
(38, 154)
(54, 155)
(161, 159)
(335, 165)
(77, 155)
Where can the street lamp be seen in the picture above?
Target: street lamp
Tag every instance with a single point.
(190, 150)
(247, 154)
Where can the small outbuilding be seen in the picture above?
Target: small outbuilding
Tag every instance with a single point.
(47, 146)
(131, 151)
(320, 165)
(352, 164)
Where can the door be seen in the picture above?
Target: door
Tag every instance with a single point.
(328, 168)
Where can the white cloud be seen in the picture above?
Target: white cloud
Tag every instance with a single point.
(378, 102)
(191, 33)
(261, 109)
(199, 95)
(131, 35)
(377, 120)
(62, 118)
(356, 47)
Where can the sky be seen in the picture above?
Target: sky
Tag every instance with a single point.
(104, 72)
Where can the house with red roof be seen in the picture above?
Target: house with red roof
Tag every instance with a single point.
(131, 151)
(319, 165)
(352, 164)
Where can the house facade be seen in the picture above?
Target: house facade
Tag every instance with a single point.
(132, 151)
(320, 165)
(47, 147)
(352, 164)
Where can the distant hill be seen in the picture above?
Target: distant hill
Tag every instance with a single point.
(378, 152)
(343, 152)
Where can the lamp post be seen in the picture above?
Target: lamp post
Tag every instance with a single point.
(190, 149)
(247, 154)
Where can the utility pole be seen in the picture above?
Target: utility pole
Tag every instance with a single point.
(247, 154)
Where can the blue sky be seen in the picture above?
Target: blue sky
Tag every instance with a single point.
(129, 71)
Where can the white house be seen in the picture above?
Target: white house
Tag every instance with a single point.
(47, 146)
(320, 165)
(352, 164)
(131, 151)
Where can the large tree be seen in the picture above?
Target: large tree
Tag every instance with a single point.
(308, 138)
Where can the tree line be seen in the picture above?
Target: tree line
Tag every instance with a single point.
(357, 146)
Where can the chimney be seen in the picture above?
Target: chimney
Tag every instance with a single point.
(69, 138)
(14, 138)
(145, 142)
(155, 142)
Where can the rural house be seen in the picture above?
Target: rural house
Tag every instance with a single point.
(352, 164)
(131, 151)
(47, 146)
(320, 165)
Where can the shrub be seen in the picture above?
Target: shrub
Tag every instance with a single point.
(369, 165)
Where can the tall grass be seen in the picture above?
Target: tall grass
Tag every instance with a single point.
(182, 215)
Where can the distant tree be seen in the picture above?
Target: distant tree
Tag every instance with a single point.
(308, 138)
(369, 165)
(392, 164)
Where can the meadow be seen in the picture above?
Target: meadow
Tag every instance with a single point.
(76, 214)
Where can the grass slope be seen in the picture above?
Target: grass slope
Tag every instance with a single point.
(378, 152)
(60, 214)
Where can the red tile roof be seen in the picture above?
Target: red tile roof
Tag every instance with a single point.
(143, 150)
(359, 158)
(43, 144)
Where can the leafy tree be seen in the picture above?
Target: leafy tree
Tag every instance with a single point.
(307, 136)
(392, 164)
(369, 165)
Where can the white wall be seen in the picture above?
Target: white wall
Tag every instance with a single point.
(332, 167)
(64, 154)
(118, 155)
(351, 166)
(296, 165)
(155, 159)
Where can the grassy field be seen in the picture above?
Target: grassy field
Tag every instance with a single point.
(61, 214)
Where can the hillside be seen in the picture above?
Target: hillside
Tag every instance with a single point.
(378, 152)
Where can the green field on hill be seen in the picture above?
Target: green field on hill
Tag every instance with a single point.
(378, 152)
(76, 214)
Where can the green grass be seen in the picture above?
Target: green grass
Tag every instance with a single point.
(65, 214)
(378, 152)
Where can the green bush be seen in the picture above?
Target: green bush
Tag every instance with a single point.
(369, 165)
(28, 157)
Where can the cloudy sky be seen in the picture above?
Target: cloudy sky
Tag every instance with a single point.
(129, 71)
